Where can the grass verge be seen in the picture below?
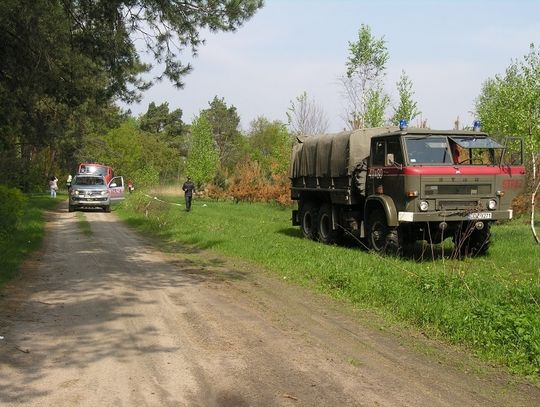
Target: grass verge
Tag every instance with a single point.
(27, 237)
(490, 304)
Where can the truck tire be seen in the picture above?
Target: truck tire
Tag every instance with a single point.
(324, 226)
(380, 237)
(71, 208)
(308, 221)
(107, 208)
(473, 243)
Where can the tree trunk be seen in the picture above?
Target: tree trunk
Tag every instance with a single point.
(533, 199)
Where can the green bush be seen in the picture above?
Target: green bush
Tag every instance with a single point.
(146, 177)
(12, 203)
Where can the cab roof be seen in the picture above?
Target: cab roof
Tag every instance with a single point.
(431, 132)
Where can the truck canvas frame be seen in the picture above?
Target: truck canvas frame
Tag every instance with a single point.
(393, 187)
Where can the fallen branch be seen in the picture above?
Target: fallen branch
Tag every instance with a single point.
(290, 397)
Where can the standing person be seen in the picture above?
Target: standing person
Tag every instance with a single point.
(68, 181)
(130, 186)
(53, 186)
(188, 189)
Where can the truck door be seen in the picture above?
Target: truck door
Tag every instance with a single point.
(386, 169)
(116, 188)
(512, 179)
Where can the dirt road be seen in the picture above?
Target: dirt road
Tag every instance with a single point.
(107, 320)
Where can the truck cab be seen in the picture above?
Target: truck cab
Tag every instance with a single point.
(438, 184)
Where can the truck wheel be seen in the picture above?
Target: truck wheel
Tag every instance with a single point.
(107, 208)
(381, 238)
(308, 221)
(71, 208)
(324, 226)
(473, 243)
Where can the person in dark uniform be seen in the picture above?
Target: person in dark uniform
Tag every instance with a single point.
(188, 189)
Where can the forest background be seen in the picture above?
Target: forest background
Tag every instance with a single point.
(67, 66)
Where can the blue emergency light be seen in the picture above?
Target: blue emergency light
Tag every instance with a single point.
(402, 124)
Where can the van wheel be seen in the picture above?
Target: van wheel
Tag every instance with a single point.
(324, 226)
(308, 221)
(381, 238)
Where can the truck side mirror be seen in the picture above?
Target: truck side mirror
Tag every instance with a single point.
(389, 159)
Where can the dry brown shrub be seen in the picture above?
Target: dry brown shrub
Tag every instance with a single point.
(522, 204)
(247, 182)
(250, 184)
(214, 192)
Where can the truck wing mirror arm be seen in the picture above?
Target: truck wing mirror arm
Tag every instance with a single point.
(391, 162)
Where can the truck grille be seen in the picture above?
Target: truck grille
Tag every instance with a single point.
(458, 189)
(452, 205)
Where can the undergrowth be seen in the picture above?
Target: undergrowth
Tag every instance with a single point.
(26, 237)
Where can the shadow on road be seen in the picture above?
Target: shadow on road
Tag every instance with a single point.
(64, 312)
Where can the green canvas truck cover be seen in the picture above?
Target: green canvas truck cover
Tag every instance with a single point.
(333, 155)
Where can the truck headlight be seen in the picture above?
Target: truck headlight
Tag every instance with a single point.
(424, 206)
(492, 204)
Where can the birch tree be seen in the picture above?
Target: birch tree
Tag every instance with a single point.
(510, 104)
(362, 82)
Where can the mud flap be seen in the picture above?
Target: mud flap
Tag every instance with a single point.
(295, 218)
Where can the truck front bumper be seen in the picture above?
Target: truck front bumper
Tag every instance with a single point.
(453, 216)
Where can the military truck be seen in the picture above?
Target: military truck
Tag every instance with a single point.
(393, 186)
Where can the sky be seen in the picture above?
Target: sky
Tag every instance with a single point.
(447, 48)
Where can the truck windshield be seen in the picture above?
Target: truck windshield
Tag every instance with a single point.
(476, 142)
(428, 150)
(93, 169)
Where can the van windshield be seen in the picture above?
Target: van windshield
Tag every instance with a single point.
(89, 181)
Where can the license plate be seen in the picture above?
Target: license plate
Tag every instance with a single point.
(480, 215)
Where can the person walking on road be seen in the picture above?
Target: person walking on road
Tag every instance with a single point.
(188, 189)
(53, 186)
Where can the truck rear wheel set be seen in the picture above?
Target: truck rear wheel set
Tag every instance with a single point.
(308, 221)
(324, 226)
(316, 223)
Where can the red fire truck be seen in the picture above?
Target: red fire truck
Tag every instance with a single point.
(96, 169)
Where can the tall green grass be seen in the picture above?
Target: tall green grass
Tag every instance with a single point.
(26, 238)
(489, 304)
